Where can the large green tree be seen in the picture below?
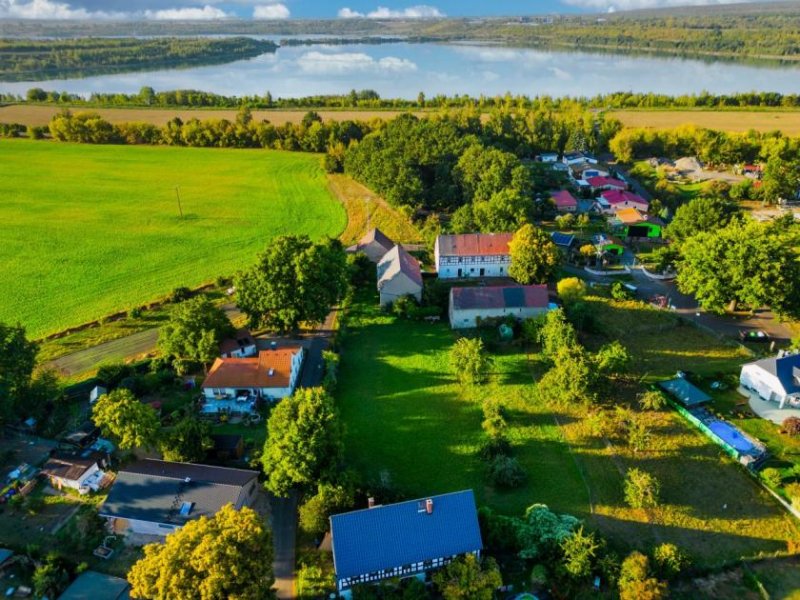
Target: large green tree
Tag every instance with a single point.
(580, 549)
(469, 578)
(636, 581)
(17, 361)
(194, 331)
(781, 180)
(294, 281)
(124, 416)
(469, 360)
(188, 441)
(534, 256)
(570, 381)
(701, 215)
(316, 511)
(226, 556)
(751, 263)
(304, 441)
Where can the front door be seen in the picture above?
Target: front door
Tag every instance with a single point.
(483, 272)
(460, 273)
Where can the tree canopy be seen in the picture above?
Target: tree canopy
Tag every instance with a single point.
(701, 215)
(193, 333)
(121, 414)
(188, 441)
(304, 441)
(750, 263)
(294, 281)
(534, 256)
(226, 556)
(469, 578)
(17, 361)
(469, 360)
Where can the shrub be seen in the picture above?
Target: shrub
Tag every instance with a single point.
(469, 360)
(571, 289)
(113, 373)
(494, 421)
(494, 447)
(135, 312)
(179, 294)
(652, 400)
(635, 582)
(772, 477)
(791, 426)
(506, 472)
(582, 317)
(793, 491)
(619, 292)
(641, 489)
(405, 306)
(670, 560)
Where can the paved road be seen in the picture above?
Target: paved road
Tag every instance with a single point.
(284, 532)
(126, 348)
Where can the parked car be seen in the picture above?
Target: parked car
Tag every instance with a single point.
(753, 335)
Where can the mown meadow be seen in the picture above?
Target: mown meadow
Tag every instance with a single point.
(409, 423)
(90, 230)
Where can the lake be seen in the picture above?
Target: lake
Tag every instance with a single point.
(402, 70)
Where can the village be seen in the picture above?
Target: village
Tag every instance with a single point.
(106, 502)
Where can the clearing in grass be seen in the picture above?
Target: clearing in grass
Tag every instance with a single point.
(409, 421)
(89, 230)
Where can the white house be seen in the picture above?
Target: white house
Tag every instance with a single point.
(577, 157)
(157, 497)
(398, 275)
(774, 379)
(548, 157)
(403, 540)
(241, 345)
(472, 255)
(83, 474)
(469, 304)
(234, 383)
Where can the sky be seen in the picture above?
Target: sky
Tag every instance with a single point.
(309, 9)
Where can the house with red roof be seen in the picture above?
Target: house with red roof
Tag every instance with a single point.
(472, 255)
(469, 305)
(606, 183)
(564, 201)
(611, 201)
(235, 385)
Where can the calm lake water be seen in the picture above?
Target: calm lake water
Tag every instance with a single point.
(403, 70)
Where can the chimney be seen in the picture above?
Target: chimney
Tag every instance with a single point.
(370, 502)
(429, 506)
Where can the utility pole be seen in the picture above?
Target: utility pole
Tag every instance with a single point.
(178, 194)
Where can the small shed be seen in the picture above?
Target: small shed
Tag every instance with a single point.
(685, 392)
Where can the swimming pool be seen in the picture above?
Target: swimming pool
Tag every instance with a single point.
(732, 436)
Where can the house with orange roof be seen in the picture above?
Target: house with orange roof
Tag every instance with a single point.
(628, 216)
(236, 385)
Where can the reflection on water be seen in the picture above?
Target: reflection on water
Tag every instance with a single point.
(403, 70)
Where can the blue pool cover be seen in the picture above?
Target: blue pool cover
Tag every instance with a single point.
(729, 434)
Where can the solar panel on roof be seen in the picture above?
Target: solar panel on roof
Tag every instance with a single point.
(514, 297)
(186, 508)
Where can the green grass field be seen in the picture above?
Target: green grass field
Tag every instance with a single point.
(406, 417)
(90, 230)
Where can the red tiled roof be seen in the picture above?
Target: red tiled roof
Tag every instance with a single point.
(563, 199)
(509, 296)
(474, 244)
(253, 372)
(599, 182)
(619, 197)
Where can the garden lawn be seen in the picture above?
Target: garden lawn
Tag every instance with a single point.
(409, 421)
(89, 230)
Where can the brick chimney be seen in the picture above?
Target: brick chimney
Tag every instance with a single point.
(429, 506)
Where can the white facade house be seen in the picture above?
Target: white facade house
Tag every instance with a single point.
(398, 275)
(469, 305)
(548, 157)
(157, 497)
(83, 474)
(242, 345)
(271, 375)
(472, 255)
(774, 379)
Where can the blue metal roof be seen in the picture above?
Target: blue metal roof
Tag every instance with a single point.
(395, 535)
(688, 394)
(784, 369)
(562, 239)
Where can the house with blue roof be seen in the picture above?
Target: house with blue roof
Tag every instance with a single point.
(774, 379)
(407, 539)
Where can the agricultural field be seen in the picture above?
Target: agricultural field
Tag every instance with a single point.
(90, 230)
(41, 115)
(787, 122)
(409, 422)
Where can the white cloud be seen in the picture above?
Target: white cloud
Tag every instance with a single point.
(205, 13)
(615, 5)
(421, 11)
(46, 9)
(347, 62)
(347, 13)
(271, 11)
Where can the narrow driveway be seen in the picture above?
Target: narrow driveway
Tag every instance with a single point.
(284, 531)
(119, 350)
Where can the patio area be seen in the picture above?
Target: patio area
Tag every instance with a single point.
(240, 405)
(768, 410)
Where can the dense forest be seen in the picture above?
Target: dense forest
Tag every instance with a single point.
(22, 60)
(756, 31)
